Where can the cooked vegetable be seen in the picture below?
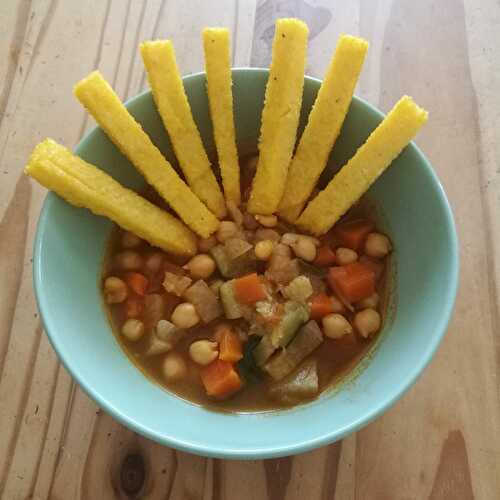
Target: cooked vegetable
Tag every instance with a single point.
(352, 234)
(173, 106)
(264, 350)
(174, 367)
(232, 308)
(154, 310)
(205, 301)
(249, 289)
(367, 322)
(304, 249)
(336, 326)
(163, 338)
(227, 229)
(382, 147)
(203, 352)
(220, 379)
(97, 96)
(345, 256)
(308, 338)
(201, 266)
(298, 386)
(294, 316)
(185, 316)
(354, 282)
(267, 234)
(231, 268)
(376, 265)
(133, 329)
(282, 269)
(325, 256)
(230, 347)
(137, 282)
(370, 302)
(134, 306)
(115, 290)
(176, 284)
(237, 248)
(377, 245)
(299, 289)
(320, 305)
(205, 244)
(264, 249)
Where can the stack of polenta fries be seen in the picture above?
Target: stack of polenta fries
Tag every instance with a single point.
(283, 182)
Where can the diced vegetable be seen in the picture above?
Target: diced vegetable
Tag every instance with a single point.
(205, 301)
(267, 234)
(230, 348)
(352, 234)
(220, 379)
(298, 386)
(294, 316)
(232, 309)
(325, 256)
(249, 289)
(236, 248)
(137, 282)
(264, 350)
(154, 310)
(176, 284)
(282, 268)
(231, 268)
(354, 282)
(320, 305)
(299, 289)
(133, 306)
(308, 338)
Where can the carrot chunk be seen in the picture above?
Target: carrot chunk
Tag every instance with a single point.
(249, 289)
(230, 348)
(220, 379)
(325, 256)
(354, 282)
(320, 305)
(352, 234)
(137, 282)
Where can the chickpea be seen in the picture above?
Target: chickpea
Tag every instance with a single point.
(174, 367)
(130, 240)
(115, 290)
(154, 261)
(129, 260)
(201, 266)
(377, 245)
(336, 326)
(205, 244)
(185, 316)
(292, 238)
(367, 322)
(227, 229)
(264, 249)
(345, 256)
(203, 352)
(305, 249)
(370, 302)
(337, 306)
(267, 220)
(133, 329)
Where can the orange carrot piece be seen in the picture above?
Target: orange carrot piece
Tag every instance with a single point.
(137, 282)
(320, 305)
(230, 348)
(325, 256)
(352, 234)
(249, 289)
(220, 379)
(134, 306)
(354, 282)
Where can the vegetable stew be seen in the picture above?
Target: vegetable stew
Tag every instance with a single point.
(263, 317)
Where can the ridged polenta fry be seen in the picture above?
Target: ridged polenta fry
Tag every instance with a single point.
(173, 106)
(216, 43)
(85, 185)
(103, 104)
(280, 116)
(324, 124)
(383, 145)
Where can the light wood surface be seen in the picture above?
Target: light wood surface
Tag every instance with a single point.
(442, 439)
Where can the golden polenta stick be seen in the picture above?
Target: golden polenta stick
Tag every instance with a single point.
(324, 124)
(220, 99)
(103, 104)
(383, 145)
(172, 103)
(85, 185)
(280, 116)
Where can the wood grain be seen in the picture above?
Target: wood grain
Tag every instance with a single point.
(442, 440)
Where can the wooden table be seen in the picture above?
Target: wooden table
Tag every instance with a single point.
(442, 440)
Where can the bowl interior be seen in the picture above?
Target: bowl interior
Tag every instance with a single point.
(69, 250)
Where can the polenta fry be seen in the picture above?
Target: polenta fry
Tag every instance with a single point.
(324, 124)
(85, 185)
(103, 104)
(280, 116)
(173, 106)
(383, 145)
(220, 100)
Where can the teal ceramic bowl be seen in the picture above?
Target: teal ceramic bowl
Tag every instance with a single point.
(69, 251)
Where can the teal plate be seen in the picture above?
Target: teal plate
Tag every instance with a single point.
(69, 251)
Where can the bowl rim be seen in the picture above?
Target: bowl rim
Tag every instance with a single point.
(324, 437)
